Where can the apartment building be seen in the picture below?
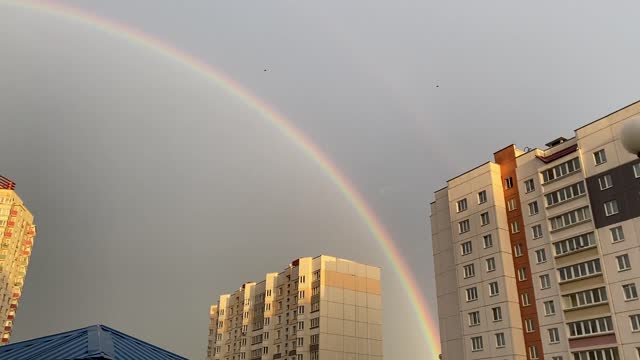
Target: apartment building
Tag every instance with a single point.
(17, 232)
(537, 253)
(315, 309)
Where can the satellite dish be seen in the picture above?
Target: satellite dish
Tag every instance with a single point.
(630, 136)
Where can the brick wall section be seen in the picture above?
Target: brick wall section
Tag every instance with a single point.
(506, 158)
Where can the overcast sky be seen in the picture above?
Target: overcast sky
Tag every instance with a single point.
(154, 191)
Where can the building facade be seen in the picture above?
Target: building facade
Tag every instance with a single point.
(321, 308)
(537, 253)
(17, 232)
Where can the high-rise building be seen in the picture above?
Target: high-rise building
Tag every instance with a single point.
(315, 309)
(17, 232)
(537, 253)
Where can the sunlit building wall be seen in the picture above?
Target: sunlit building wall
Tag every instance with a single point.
(17, 232)
(316, 308)
(537, 253)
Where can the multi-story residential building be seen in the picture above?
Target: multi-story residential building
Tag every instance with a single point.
(537, 253)
(17, 232)
(317, 308)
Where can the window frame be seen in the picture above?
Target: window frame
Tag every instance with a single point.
(617, 234)
(605, 182)
(599, 157)
(624, 262)
(629, 289)
(529, 186)
(613, 209)
(459, 205)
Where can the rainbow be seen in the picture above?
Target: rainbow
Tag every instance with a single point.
(428, 326)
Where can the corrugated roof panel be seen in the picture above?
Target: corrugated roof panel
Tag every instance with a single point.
(93, 342)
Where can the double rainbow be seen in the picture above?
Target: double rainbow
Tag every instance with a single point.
(428, 326)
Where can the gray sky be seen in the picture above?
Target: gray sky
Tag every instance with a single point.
(154, 190)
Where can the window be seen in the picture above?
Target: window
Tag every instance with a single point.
(500, 342)
(533, 208)
(300, 342)
(511, 204)
(517, 249)
(541, 256)
(536, 231)
(474, 318)
(611, 207)
(472, 293)
(545, 281)
(302, 279)
(600, 157)
(300, 310)
(508, 183)
(316, 275)
(487, 240)
(581, 270)
(570, 218)
(630, 292)
(533, 352)
(466, 248)
(561, 170)
(300, 357)
(575, 244)
(605, 182)
(524, 297)
(565, 194)
(636, 170)
(476, 343)
(300, 325)
(315, 339)
(469, 271)
(493, 289)
(265, 350)
(463, 226)
(585, 298)
(462, 205)
(522, 274)
(301, 294)
(635, 323)
(482, 197)
(554, 336)
(484, 218)
(529, 325)
(267, 321)
(315, 322)
(515, 227)
(623, 262)
(605, 354)
(549, 308)
(529, 185)
(590, 327)
(491, 264)
(497, 313)
(617, 234)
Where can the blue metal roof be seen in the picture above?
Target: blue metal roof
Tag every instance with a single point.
(93, 342)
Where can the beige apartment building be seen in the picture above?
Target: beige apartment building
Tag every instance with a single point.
(537, 253)
(321, 308)
(17, 232)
